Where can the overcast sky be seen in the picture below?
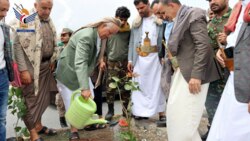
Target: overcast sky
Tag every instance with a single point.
(76, 13)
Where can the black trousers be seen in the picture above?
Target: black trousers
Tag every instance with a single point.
(98, 100)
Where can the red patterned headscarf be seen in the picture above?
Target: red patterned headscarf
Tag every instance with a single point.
(231, 23)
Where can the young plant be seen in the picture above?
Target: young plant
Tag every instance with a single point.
(17, 107)
(130, 85)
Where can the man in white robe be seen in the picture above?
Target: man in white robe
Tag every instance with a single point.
(150, 100)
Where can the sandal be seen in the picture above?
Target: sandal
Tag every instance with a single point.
(140, 118)
(161, 123)
(47, 131)
(74, 136)
(112, 123)
(162, 118)
(95, 127)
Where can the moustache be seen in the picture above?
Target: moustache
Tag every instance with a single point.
(214, 4)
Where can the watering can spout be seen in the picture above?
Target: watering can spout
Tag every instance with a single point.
(96, 121)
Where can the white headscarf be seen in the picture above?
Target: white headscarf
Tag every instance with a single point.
(104, 20)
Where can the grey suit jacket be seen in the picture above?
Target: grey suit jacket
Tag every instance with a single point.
(78, 59)
(241, 64)
(8, 51)
(191, 47)
(135, 40)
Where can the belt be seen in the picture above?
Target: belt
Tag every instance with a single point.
(145, 50)
(45, 59)
(151, 49)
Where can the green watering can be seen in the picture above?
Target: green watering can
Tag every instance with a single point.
(81, 111)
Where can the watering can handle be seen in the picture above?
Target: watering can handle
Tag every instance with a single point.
(74, 95)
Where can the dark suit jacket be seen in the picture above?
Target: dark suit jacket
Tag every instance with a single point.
(241, 64)
(193, 51)
(8, 51)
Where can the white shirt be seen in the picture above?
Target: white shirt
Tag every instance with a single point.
(233, 36)
(2, 61)
(149, 25)
(98, 44)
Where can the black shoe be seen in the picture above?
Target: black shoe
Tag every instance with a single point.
(204, 137)
(161, 123)
(140, 118)
(63, 122)
(110, 113)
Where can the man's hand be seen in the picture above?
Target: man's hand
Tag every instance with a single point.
(102, 66)
(130, 67)
(86, 94)
(162, 61)
(220, 58)
(249, 107)
(222, 38)
(25, 77)
(194, 86)
(52, 67)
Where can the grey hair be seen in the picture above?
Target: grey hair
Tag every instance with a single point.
(165, 2)
(106, 20)
(38, 1)
(111, 24)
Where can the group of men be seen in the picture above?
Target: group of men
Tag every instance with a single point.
(194, 76)
(195, 43)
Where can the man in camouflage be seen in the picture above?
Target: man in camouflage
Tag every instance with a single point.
(117, 54)
(215, 31)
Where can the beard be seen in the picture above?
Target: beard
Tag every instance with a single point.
(144, 14)
(218, 8)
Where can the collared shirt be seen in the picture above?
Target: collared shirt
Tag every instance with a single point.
(232, 37)
(98, 44)
(149, 25)
(2, 61)
(168, 29)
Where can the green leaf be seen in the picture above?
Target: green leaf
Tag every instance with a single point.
(136, 83)
(116, 79)
(12, 91)
(13, 112)
(20, 114)
(127, 87)
(18, 128)
(25, 132)
(18, 92)
(113, 85)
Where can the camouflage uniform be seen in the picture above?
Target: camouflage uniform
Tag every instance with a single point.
(118, 69)
(60, 105)
(117, 56)
(215, 26)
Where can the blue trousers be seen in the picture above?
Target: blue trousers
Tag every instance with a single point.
(4, 89)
